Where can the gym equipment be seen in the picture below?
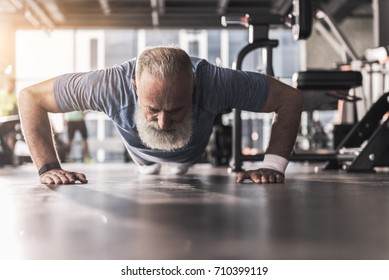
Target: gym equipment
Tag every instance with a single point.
(317, 86)
(322, 87)
(369, 151)
(8, 129)
(218, 151)
(367, 142)
(327, 27)
(300, 20)
(327, 79)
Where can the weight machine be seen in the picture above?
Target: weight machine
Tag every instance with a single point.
(364, 147)
(367, 144)
(299, 19)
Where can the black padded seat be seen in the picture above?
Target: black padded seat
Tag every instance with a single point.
(327, 80)
(322, 89)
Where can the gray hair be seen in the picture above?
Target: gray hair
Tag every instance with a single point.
(163, 62)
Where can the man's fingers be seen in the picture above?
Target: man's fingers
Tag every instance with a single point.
(280, 178)
(259, 176)
(50, 179)
(46, 180)
(62, 177)
(81, 177)
(264, 178)
(255, 177)
(241, 176)
(71, 177)
(272, 178)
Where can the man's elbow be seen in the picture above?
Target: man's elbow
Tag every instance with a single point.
(23, 97)
(292, 105)
(28, 100)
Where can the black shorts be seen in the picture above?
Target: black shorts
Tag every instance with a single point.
(74, 126)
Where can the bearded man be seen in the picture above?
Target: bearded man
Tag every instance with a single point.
(163, 103)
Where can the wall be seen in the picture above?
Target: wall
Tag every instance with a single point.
(359, 32)
(7, 48)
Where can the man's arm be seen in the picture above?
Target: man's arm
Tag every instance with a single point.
(287, 103)
(34, 104)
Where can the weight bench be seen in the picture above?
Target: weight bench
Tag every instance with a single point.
(367, 144)
(322, 89)
(334, 83)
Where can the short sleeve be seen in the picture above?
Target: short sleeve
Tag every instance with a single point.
(226, 88)
(102, 90)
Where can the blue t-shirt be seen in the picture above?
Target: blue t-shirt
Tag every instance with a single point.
(111, 91)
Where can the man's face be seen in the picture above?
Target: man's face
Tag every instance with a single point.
(163, 115)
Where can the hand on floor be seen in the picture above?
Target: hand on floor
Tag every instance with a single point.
(62, 177)
(261, 176)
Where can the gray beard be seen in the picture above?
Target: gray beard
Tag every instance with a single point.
(152, 136)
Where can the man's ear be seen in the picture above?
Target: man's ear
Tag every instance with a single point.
(134, 84)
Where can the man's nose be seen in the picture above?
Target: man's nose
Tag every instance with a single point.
(163, 121)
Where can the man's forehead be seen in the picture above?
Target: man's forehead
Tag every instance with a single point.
(153, 87)
(156, 77)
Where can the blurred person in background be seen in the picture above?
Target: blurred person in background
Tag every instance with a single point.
(75, 121)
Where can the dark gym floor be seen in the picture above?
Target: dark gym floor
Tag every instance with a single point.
(120, 214)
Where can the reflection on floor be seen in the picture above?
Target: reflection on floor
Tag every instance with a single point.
(120, 214)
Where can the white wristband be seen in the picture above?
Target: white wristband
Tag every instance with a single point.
(274, 162)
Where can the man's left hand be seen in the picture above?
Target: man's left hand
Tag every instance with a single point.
(261, 176)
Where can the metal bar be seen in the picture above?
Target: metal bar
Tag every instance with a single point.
(237, 156)
(338, 35)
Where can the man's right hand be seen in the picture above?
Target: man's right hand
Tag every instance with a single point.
(35, 102)
(62, 177)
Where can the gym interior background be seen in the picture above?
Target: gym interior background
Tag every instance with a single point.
(85, 45)
(41, 39)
